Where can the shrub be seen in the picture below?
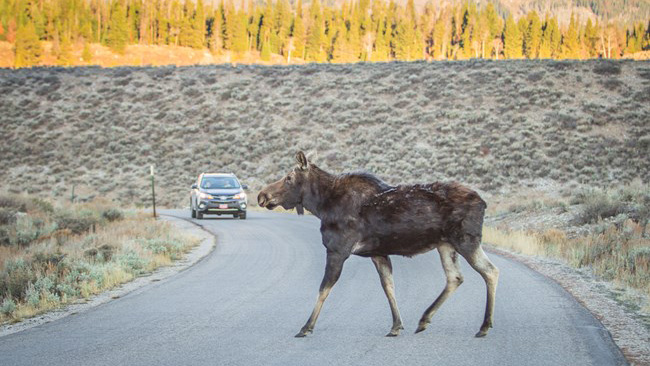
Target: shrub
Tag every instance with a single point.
(607, 68)
(76, 223)
(597, 205)
(8, 306)
(7, 216)
(112, 214)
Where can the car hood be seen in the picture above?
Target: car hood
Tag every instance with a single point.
(217, 192)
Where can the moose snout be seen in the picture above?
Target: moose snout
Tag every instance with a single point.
(263, 199)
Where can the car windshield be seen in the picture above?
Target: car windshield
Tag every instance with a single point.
(219, 183)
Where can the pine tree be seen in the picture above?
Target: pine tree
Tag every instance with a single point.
(28, 49)
(199, 25)
(64, 56)
(315, 35)
(555, 38)
(215, 42)
(570, 42)
(533, 35)
(118, 33)
(240, 35)
(545, 44)
(283, 25)
(265, 55)
(591, 38)
(229, 24)
(512, 39)
(267, 28)
(86, 54)
(298, 33)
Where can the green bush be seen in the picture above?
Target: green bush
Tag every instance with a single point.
(132, 262)
(76, 223)
(112, 214)
(598, 206)
(8, 306)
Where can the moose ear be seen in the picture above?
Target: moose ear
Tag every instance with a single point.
(303, 163)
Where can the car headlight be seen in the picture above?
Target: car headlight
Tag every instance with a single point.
(240, 196)
(205, 196)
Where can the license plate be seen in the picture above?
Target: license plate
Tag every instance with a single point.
(223, 206)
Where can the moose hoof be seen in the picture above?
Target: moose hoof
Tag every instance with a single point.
(421, 327)
(481, 333)
(303, 333)
(394, 332)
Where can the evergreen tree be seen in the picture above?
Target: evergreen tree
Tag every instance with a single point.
(570, 42)
(555, 37)
(591, 38)
(545, 44)
(282, 24)
(118, 34)
(240, 35)
(512, 39)
(27, 50)
(533, 36)
(315, 35)
(64, 54)
(441, 33)
(298, 33)
(199, 25)
(86, 54)
(216, 40)
(230, 24)
(267, 28)
(265, 55)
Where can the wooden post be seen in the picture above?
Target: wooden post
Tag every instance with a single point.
(72, 197)
(153, 192)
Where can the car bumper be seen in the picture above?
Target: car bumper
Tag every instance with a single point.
(222, 207)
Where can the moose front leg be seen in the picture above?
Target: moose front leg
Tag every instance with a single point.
(385, 270)
(332, 273)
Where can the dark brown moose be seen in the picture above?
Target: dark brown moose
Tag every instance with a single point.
(362, 215)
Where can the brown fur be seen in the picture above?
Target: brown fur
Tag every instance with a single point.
(362, 215)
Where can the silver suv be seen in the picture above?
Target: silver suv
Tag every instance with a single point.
(218, 194)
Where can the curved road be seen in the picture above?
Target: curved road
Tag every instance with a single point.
(243, 303)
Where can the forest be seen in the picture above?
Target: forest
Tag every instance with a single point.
(354, 31)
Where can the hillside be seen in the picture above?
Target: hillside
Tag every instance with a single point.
(494, 125)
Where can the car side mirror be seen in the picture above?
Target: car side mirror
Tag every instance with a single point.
(244, 186)
(194, 186)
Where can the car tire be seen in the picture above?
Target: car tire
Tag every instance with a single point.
(193, 212)
(242, 215)
(199, 215)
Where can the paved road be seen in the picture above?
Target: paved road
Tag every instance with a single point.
(243, 303)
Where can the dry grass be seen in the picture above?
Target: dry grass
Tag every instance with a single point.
(619, 254)
(50, 270)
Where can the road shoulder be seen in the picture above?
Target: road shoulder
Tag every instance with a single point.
(632, 338)
(205, 247)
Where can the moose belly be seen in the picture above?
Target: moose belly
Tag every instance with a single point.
(410, 242)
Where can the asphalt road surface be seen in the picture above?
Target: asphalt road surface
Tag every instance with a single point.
(243, 304)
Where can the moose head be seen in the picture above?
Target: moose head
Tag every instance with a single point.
(289, 191)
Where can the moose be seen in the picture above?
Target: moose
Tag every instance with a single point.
(362, 215)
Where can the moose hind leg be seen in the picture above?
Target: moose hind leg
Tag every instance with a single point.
(385, 270)
(490, 273)
(449, 260)
(333, 270)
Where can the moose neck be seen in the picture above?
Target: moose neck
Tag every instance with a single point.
(320, 184)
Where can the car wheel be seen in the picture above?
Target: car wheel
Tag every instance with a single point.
(242, 215)
(199, 215)
(193, 212)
